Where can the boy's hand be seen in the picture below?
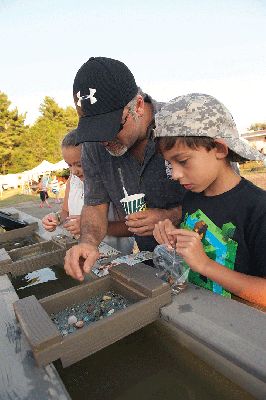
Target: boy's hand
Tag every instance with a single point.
(72, 224)
(189, 247)
(162, 231)
(142, 223)
(80, 260)
(49, 222)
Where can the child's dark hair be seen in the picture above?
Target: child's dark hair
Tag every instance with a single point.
(70, 139)
(193, 142)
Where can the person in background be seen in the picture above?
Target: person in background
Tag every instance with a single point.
(69, 215)
(54, 185)
(222, 237)
(42, 189)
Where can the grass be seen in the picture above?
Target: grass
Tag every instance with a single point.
(12, 197)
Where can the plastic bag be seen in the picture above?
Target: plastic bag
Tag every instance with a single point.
(170, 267)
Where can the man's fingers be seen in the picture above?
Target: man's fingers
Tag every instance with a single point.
(72, 266)
(136, 216)
(80, 259)
(75, 272)
(136, 223)
(141, 229)
(88, 265)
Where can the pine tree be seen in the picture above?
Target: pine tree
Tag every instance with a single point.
(12, 128)
(42, 141)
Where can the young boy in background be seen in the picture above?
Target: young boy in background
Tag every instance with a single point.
(222, 237)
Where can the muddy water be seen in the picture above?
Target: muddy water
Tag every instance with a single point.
(147, 365)
(43, 282)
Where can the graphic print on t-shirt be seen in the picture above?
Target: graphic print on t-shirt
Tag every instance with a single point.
(218, 245)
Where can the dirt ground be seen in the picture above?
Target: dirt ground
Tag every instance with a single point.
(29, 203)
(258, 178)
(29, 206)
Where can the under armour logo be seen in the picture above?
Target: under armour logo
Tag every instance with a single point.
(87, 96)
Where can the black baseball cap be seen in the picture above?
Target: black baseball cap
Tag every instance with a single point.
(102, 88)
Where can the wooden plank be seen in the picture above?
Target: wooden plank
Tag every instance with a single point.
(11, 223)
(34, 250)
(18, 233)
(142, 277)
(5, 262)
(40, 261)
(33, 257)
(36, 323)
(4, 257)
(20, 379)
(127, 291)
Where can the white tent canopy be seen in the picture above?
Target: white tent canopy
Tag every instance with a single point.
(45, 166)
(60, 165)
(13, 180)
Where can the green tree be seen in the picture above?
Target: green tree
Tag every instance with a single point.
(51, 111)
(70, 118)
(43, 139)
(41, 142)
(12, 129)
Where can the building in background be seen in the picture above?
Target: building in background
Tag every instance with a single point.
(256, 139)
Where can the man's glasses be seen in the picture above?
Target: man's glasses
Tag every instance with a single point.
(123, 123)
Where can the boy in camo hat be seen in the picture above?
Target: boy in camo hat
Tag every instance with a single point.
(197, 135)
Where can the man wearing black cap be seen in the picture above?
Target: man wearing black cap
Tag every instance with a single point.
(116, 124)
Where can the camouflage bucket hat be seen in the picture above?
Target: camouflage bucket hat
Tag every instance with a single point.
(199, 114)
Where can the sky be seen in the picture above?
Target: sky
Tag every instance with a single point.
(173, 47)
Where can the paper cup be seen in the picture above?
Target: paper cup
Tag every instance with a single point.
(134, 203)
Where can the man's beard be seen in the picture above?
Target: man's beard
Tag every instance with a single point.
(116, 149)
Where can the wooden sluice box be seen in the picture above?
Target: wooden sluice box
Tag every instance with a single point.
(19, 233)
(139, 285)
(27, 259)
(10, 221)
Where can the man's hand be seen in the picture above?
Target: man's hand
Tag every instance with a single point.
(162, 234)
(72, 224)
(80, 259)
(142, 223)
(49, 222)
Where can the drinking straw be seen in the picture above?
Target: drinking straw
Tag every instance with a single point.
(123, 182)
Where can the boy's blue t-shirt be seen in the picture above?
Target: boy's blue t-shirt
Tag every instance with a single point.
(233, 230)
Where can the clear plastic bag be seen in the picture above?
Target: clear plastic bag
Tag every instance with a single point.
(170, 267)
